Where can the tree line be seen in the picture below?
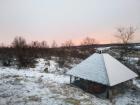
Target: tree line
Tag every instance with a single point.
(24, 55)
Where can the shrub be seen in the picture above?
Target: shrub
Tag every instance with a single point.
(6, 60)
(22, 53)
(138, 62)
(61, 62)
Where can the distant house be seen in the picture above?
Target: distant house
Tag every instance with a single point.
(101, 68)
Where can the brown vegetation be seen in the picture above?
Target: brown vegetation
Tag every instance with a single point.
(24, 55)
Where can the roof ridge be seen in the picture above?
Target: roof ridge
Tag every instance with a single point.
(106, 69)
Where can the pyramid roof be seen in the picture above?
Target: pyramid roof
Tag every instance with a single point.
(104, 69)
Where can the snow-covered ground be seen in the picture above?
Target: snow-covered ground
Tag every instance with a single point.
(36, 87)
(132, 60)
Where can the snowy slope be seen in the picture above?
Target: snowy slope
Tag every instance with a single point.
(35, 87)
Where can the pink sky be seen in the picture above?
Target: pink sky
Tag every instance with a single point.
(62, 20)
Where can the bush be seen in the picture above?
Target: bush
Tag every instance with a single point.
(46, 70)
(61, 62)
(22, 53)
(6, 60)
(138, 62)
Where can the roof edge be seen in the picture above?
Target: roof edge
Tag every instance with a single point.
(110, 84)
(106, 70)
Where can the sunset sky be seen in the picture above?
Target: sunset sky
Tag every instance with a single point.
(62, 20)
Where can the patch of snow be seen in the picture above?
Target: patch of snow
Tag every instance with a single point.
(137, 47)
(53, 66)
(103, 48)
(129, 98)
(136, 82)
(131, 58)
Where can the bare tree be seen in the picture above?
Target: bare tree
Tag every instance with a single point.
(44, 44)
(68, 43)
(125, 35)
(2, 45)
(19, 42)
(24, 58)
(54, 44)
(35, 44)
(88, 41)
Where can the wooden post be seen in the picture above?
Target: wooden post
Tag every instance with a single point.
(70, 79)
(74, 78)
(109, 94)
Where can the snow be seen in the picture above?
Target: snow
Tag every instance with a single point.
(33, 86)
(132, 60)
(137, 47)
(129, 98)
(136, 82)
(103, 48)
(102, 68)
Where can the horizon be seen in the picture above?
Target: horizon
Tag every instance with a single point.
(67, 20)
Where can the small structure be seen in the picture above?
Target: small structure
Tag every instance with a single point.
(102, 72)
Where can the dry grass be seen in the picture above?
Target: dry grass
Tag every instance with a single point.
(34, 98)
(72, 101)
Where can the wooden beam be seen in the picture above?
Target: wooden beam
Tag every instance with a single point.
(109, 93)
(74, 78)
(70, 79)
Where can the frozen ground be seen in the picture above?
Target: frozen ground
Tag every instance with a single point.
(35, 87)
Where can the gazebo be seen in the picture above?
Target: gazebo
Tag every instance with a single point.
(102, 68)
